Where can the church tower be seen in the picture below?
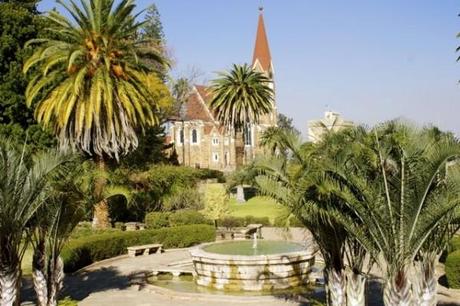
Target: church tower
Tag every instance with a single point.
(262, 62)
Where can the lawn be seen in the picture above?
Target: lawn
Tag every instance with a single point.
(258, 207)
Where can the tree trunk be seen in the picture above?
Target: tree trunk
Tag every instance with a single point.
(10, 284)
(356, 289)
(239, 149)
(425, 282)
(335, 287)
(56, 280)
(101, 210)
(39, 274)
(240, 194)
(397, 291)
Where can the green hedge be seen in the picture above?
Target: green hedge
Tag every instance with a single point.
(155, 220)
(452, 268)
(231, 221)
(81, 252)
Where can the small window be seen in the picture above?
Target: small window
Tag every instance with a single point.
(194, 136)
(226, 158)
(215, 157)
(215, 141)
(181, 136)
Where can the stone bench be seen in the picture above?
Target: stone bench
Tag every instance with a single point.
(147, 249)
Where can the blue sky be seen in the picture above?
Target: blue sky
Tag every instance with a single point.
(369, 60)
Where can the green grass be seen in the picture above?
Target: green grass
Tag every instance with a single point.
(258, 207)
(26, 264)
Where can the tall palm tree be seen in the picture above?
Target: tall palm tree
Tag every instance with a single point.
(239, 98)
(90, 80)
(21, 195)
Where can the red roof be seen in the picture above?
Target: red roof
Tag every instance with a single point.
(261, 49)
(197, 105)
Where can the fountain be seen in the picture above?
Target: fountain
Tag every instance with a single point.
(257, 265)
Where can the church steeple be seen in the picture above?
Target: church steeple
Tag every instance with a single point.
(262, 58)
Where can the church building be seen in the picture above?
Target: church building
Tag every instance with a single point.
(201, 141)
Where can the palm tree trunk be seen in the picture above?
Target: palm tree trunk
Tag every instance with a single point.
(335, 287)
(239, 149)
(356, 289)
(397, 291)
(39, 274)
(425, 282)
(56, 280)
(101, 210)
(10, 284)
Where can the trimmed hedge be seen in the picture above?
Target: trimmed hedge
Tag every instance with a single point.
(185, 217)
(231, 221)
(81, 252)
(180, 217)
(452, 268)
(157, 219)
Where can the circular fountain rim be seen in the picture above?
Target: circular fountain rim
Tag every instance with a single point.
(198, 251)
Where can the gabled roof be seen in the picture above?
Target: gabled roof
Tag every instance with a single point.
(197, 105)
(261, 49)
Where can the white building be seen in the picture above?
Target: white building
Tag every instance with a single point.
(332, 122)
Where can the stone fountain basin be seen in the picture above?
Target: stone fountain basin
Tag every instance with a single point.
(252, 272)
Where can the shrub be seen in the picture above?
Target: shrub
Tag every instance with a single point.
(185, 217)
(156, 220)
(183, 198)
(256, 220)
(454, 244)
(230, 222)
(81, 252)
(287, 221)
(452, 269)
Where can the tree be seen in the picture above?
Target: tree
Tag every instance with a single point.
(94, 74)
(21, 195)
(54, 222)
(216, 202)
(284, 122)
(295, 183)
(408, 201)
(241, 96)
(19, 22)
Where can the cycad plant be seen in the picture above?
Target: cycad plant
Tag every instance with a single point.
(90, 79)
(22, 193)
(405, 204)
(297, 180)
(52, 226)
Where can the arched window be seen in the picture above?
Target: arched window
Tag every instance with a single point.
(194, 136)
(247, 135)
(181, 136)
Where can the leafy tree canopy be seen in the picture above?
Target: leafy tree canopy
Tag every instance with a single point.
(285, 122)
(19, 22)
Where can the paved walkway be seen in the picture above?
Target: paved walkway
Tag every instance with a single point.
(120, 282)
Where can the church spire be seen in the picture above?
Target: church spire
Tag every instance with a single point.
(261, 50)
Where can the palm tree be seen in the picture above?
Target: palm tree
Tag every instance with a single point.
(21, 195)
(405, 204)
(239, 98)
(90, 81)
